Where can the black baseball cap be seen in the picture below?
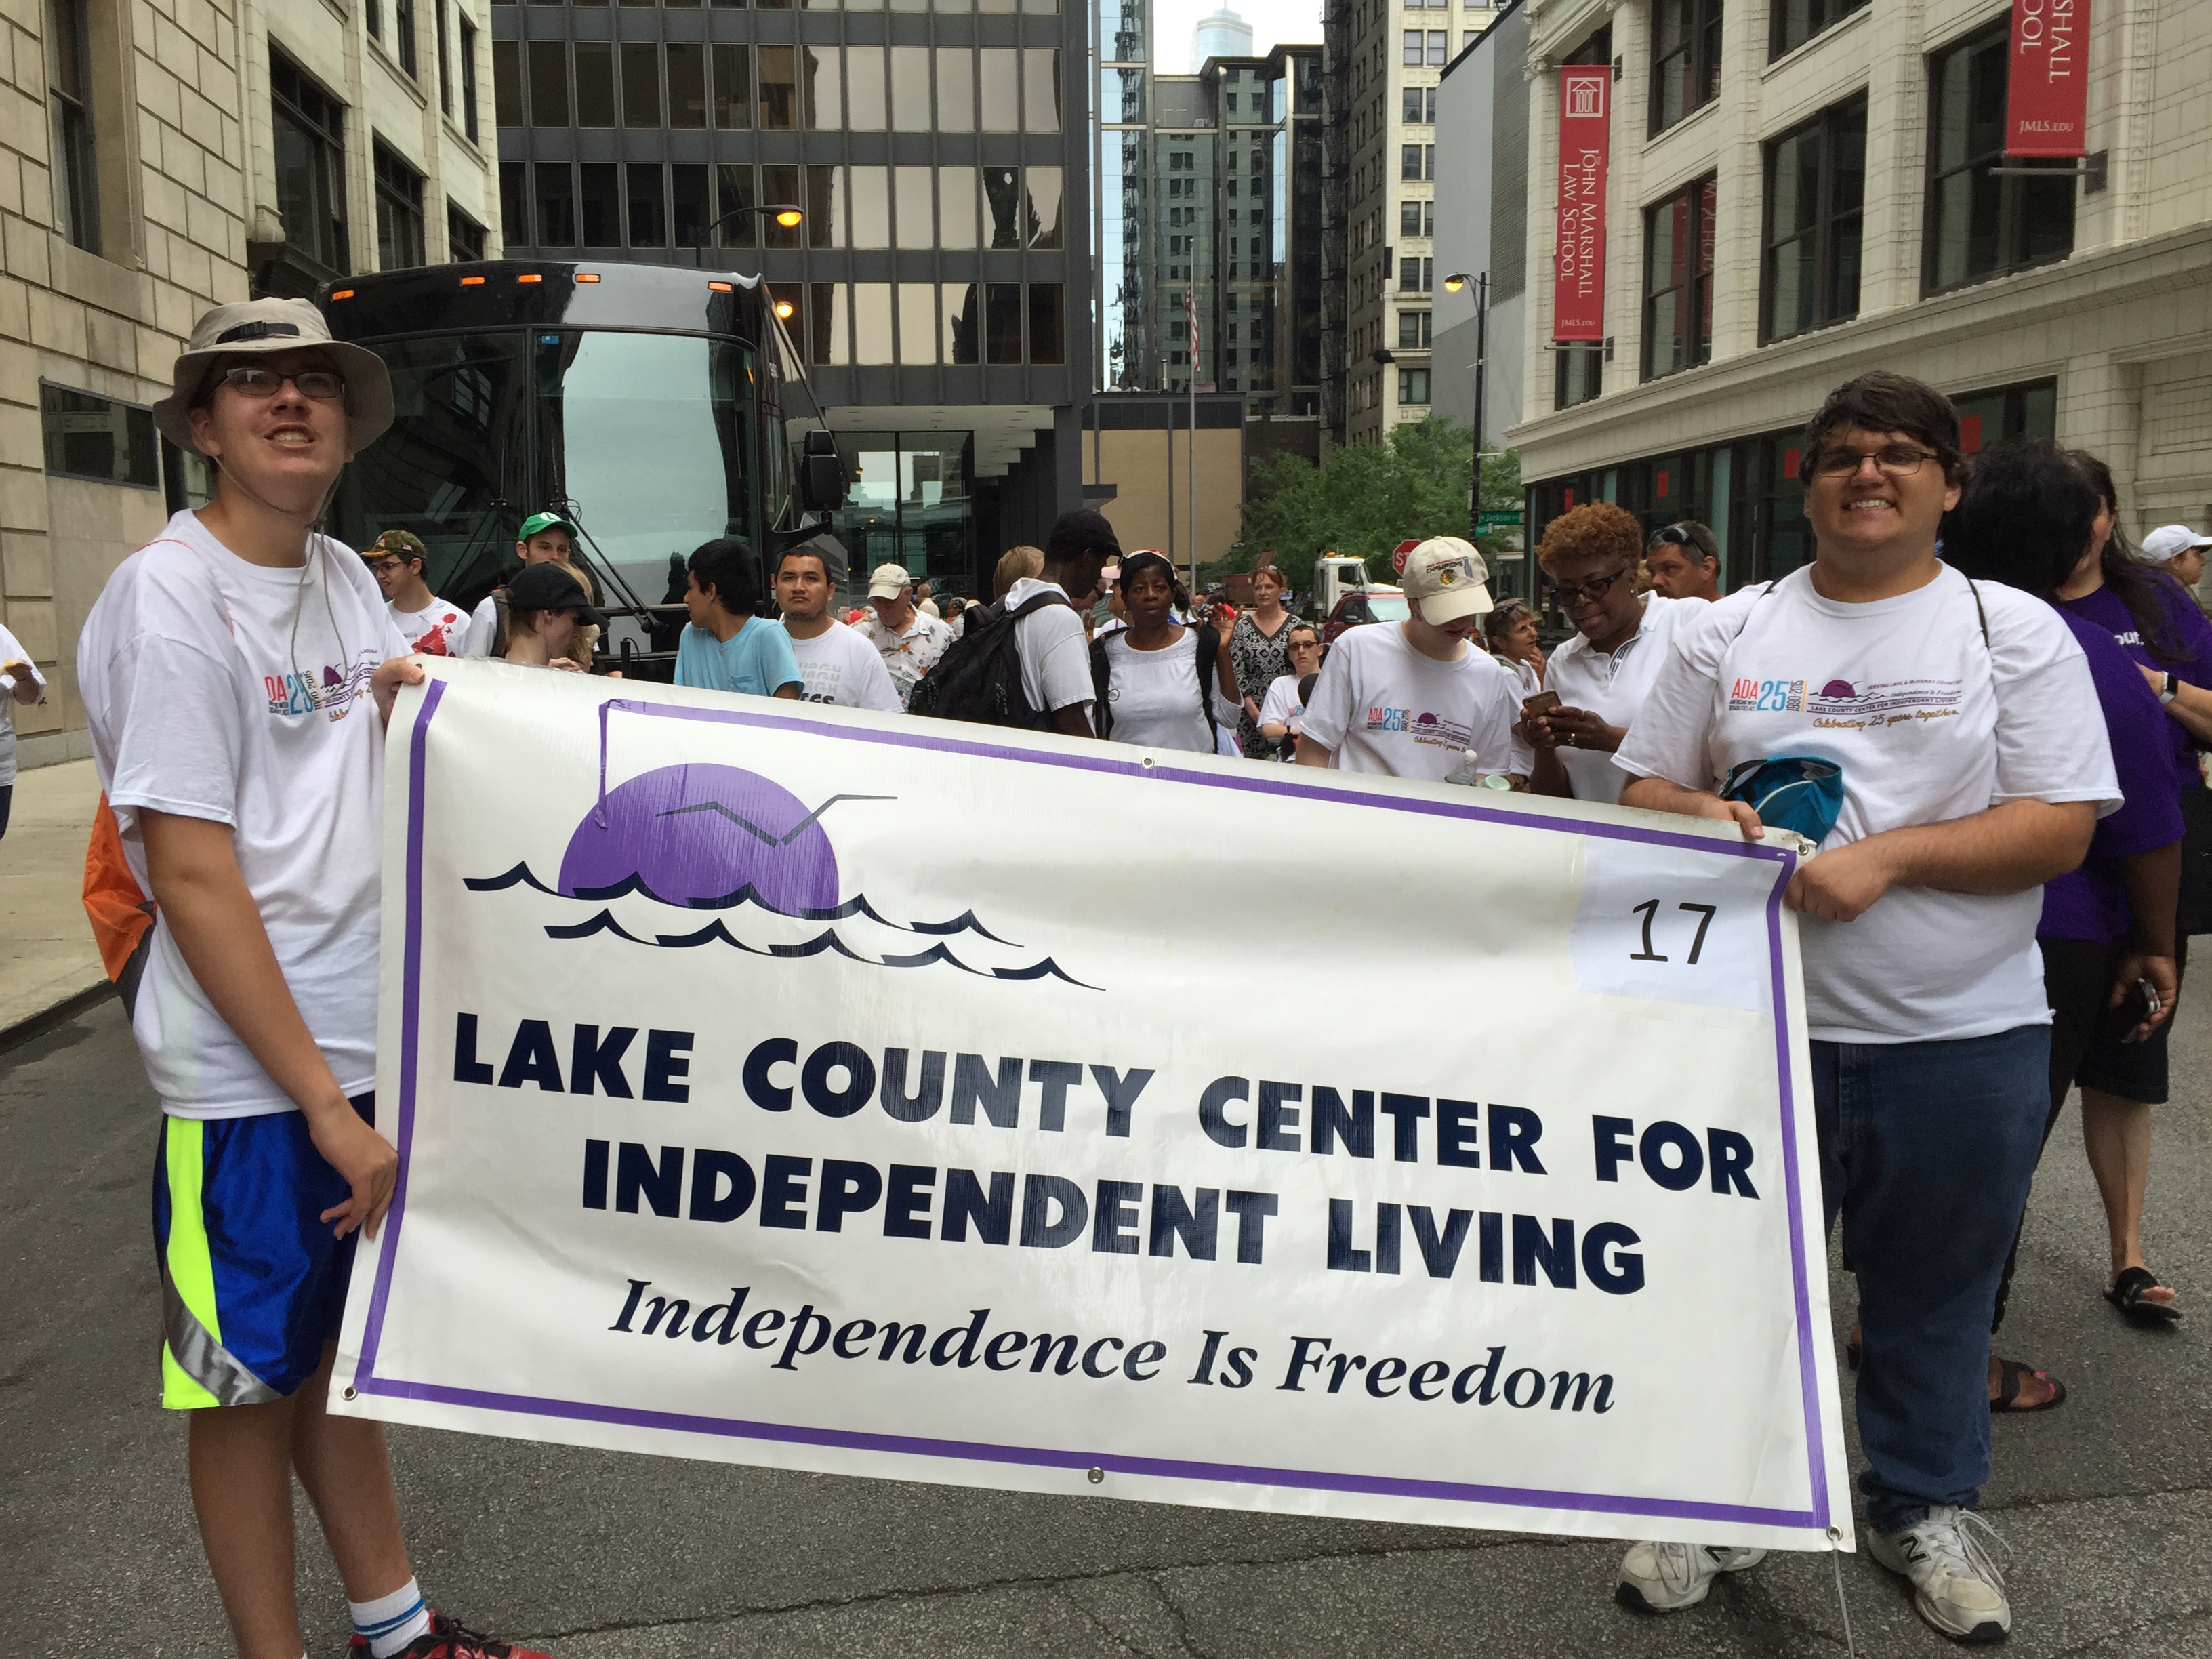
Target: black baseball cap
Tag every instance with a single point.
(548, 588)
(1084, 527)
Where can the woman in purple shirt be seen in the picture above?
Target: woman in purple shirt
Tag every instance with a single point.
(2032, 517)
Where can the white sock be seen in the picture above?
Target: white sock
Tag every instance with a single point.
(391, 1622)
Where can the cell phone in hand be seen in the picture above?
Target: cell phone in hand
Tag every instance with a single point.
(1542, 703)
(2138, 1006)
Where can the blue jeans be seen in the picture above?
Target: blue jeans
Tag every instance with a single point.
(1927, 1151)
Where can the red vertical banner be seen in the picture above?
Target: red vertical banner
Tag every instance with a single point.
(1579, 261)
(2047, 79)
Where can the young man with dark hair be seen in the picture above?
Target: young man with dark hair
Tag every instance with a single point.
(237, 672)
(430, 625)
(726, 648)
(544, 539)
(1684, 560)
(1974, 766)
(837, 664)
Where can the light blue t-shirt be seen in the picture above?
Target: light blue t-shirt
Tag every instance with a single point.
(758, 659)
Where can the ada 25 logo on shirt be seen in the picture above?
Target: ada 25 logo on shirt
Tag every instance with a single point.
(1777, 696)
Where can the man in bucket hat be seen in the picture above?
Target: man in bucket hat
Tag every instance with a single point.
(237, 672)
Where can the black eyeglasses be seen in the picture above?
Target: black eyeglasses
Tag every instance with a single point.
(258, 380)
(1895, 462)
(1593, 592)
(1672, 536)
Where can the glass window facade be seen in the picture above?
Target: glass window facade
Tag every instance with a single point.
(1678, 281)
(1981, 224)
(1815, 192)
(1685, 58)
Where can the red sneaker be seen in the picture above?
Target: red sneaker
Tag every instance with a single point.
(447, 1640)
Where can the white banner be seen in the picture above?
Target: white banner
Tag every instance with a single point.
(788, 1084)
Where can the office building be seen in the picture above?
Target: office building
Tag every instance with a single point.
(1217, 176)
(1385, 61)
(936, 287)
(1823, 189)
(1222, 34)
(173, 160)
(1482, 177)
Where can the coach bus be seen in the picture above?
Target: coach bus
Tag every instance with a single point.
(653, 408)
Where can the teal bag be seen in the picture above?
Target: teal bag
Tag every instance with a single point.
(1800, 792)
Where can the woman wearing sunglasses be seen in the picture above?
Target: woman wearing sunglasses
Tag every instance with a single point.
(1592, 558)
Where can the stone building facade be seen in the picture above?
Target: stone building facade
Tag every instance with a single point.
(1821, 189)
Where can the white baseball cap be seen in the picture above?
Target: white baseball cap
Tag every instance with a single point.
(2169, 539)
(1446, 579)
(887, 582)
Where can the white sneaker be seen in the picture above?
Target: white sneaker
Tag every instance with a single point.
(1664, 1577)
(1958, 1583)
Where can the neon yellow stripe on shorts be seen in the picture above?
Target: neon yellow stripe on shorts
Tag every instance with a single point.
(191, 1269)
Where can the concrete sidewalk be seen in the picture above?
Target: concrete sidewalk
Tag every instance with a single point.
(50, 957)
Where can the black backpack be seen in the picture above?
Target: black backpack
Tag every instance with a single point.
(979, 678)
(1102, 677)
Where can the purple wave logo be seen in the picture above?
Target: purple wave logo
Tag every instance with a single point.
(701, 837)
(1843, 688)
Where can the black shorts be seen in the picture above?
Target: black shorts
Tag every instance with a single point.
(2077, 982)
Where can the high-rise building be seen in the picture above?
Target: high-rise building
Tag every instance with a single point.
(1222, 34)
(187, 157)
(1799, 197)
(1385, 58)
(1213, 188)
(936, 286)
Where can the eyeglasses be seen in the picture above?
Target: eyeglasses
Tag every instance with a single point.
(1895, 462)
(384, 566)
(258, 381)
(1592, 591)
(1303, 644)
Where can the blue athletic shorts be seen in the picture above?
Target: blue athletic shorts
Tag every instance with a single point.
(252, 1283)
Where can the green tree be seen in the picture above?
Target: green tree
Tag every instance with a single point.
(1365, 499)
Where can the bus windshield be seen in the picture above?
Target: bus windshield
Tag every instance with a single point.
(645, 438)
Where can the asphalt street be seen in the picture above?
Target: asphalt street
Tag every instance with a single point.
(2106, 1503)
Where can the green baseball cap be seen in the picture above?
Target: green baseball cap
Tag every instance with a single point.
(537, 523)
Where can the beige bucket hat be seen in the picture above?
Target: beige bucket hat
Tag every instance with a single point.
(260, 328)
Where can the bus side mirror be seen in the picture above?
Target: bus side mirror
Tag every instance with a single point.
(821, 474)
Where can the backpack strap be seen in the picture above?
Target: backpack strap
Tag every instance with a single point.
(1209, 651)
(1102, 683)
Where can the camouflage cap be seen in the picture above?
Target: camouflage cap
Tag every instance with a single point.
(405, 543)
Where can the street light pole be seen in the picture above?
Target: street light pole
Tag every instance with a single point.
(1453, 284)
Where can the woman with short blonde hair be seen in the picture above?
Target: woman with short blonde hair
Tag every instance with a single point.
(1015, 563)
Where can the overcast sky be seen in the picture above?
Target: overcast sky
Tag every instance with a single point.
(1272, 21)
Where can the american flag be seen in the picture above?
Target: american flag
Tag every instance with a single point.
(1190, 309)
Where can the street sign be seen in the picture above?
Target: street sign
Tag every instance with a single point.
(1497, 524)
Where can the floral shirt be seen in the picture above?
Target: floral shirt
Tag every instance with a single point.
(909, 655)
(1259, 661)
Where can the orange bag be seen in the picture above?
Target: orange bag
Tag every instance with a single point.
(120, 913)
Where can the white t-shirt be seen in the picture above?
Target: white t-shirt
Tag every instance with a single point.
(11, 650)
(219, 689)
(1155, 695)
(909, 655)
(839, 666)
(483, 627)
(1282, 705)
(439, 631)
(1929, 722)
(1381, 706)
(1613, 687)
(1055, 656)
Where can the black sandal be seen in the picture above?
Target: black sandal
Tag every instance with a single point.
(2010, 1374)
(2126, 1293)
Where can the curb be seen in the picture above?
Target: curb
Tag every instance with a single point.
(37, 1026)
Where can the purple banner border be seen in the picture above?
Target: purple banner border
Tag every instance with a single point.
(366, 1381)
